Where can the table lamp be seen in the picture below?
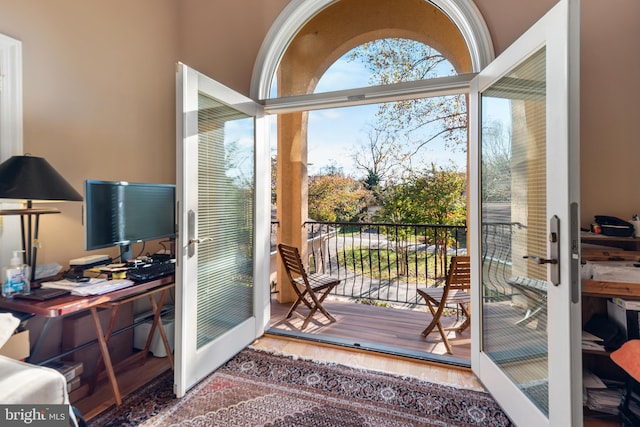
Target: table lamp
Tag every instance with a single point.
(32, 178)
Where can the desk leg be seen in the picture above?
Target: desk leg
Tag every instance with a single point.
(41, 338)
(157, 323)
(104, 350)
(107, 337)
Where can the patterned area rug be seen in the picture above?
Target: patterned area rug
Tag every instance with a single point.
(256, 388)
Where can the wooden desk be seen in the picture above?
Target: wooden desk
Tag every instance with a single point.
(69, 304)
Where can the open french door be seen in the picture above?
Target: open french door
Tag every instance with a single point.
(222, 286)
(524, 155)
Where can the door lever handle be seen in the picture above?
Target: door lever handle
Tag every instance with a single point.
(539, 260)
(203, 240)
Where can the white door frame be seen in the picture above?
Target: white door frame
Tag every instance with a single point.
(559, 31)
(193, 363)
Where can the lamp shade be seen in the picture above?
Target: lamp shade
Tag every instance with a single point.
(33, 178)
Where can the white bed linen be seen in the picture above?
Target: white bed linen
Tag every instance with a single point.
(23, 383)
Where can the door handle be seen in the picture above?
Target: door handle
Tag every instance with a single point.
(554, 251)
(203, 240)
(539, 260)
(191, 234)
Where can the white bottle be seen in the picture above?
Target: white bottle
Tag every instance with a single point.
(16, 277)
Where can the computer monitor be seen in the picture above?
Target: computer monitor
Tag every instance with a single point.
(119, 213)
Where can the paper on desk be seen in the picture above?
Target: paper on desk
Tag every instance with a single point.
(102, 287)
(590, 345)
(70, 284)
(591, 380)
(592, 342)
(586, 336)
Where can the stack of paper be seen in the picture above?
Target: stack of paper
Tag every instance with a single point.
(604, 400)
(592, 342)
(71, 285)
(600, 396)
(590, 381)
(92, 287)
(102, 288)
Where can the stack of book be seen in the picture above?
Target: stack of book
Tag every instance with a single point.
(71, 371)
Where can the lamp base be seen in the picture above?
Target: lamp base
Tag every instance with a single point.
(28, 230)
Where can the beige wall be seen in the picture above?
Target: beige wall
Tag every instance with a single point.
(99, 91)
(610, 110)
(98, 97)
(222, 38)
(99, 87)
(610, 66)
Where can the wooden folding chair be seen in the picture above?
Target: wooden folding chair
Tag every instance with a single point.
(307, 286)
(453, 292)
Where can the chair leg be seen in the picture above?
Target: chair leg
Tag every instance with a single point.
(301, 298)
(308, 318)
(321, 307)
(317, 306)
(435, 322)
(444, 337)
(293, 307)
(467, 318)
(434, 319)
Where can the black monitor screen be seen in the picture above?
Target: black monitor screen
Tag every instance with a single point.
(119, 213)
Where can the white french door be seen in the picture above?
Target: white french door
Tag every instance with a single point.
(222, 286)
(524, 150)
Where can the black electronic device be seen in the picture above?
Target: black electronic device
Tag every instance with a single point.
(120, 213)
(42, 294)
(75, 276)
(152, 271)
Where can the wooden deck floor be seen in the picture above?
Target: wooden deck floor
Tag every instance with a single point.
(368, 326)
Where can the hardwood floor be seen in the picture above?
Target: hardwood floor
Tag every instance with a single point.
(374, 327)
(129, 380)
(435, 372)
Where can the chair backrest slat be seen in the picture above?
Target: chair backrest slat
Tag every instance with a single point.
(459, 275)
(292, 262)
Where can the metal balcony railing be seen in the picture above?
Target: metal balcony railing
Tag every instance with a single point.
(385, 262)
(382, 261)
(497, 259)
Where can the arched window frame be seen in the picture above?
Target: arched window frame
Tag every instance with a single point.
(463, 13)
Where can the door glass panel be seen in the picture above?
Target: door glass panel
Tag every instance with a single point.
(225, 218)
(514, 225)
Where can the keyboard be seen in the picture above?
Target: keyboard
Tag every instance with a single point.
(152, 271)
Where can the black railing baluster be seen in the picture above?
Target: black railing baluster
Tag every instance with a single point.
(367, 267)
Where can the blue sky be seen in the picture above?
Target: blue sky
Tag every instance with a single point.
(334, 134)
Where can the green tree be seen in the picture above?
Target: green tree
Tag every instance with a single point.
(496, 163)
(417, 122)
(379, 157)
(336, 197)
(433, 196)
